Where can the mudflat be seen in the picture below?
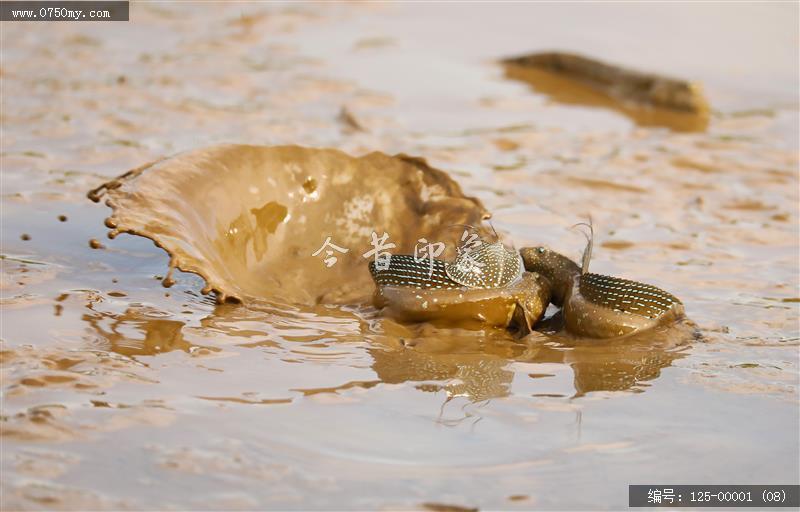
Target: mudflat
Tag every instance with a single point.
(119, 393)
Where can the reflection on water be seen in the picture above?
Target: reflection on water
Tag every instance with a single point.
(623, 365)
(470, 365)
(462, 363)
(139, 331)
(476, 376)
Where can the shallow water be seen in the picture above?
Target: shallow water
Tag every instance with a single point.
(121, 394)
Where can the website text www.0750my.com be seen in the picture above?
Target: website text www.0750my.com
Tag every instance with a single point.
(64, 10)
(59, 13)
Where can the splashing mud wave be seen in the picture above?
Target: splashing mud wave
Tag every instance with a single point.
(247, 219)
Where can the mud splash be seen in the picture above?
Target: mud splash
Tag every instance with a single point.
(248, 219)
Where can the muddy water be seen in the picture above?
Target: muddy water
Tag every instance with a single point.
(121, 394)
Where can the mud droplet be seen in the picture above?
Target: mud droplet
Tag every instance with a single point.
(62, 218)
(310, 185)
(25, 237)
(95, 244)
(168, 281)
(349, 121)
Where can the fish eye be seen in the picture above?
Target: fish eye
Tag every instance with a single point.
(540, 250)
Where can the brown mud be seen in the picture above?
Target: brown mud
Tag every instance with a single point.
(248, 219)
(120, 394)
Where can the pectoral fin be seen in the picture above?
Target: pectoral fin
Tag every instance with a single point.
(522, 320)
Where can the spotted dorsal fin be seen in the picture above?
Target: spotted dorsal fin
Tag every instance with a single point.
(626, 296)
(488, 266)
(405, 270)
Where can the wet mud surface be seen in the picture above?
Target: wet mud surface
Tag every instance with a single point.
(119, 393)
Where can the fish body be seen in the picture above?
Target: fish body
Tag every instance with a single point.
(598, 306)
(485, 287)
(519, 306)
(601, 306)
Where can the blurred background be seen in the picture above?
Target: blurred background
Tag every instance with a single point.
(119, 394)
